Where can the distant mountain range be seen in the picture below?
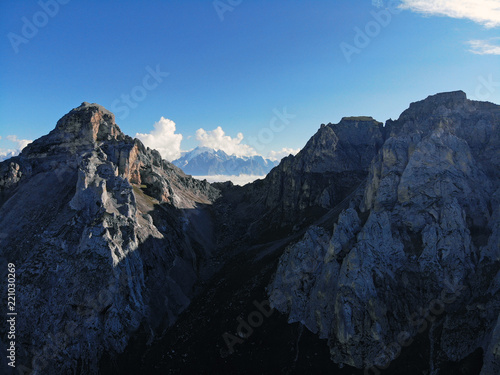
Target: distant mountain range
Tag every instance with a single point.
(204, 161)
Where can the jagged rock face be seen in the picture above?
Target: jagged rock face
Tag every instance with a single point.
(303, 187)
(334, 161)
(424, 235)
(97, 256)
(109, 240)
(78, 130)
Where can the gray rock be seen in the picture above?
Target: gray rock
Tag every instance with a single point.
(99, 229)
(390, 232)
(431, 242)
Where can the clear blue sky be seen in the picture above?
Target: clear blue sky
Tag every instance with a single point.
(233, 69)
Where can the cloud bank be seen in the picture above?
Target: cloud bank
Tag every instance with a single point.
(217, 139)
(484, 12)
(164, 139)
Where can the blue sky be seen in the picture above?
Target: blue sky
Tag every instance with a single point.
(249, 77)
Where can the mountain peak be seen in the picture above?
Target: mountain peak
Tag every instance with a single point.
(115, 243)
(358, 119)
(458, 95)
(444, 99)
(93, 122)
(79, 129)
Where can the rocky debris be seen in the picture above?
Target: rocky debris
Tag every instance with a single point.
(430, 243)
(100, 230)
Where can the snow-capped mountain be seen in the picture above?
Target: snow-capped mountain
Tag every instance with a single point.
(204, 161)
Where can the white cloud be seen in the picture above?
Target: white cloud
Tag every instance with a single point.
(21, 143)
(241, 179)
(484, 12)
(163, 139)
(285, 151)
(11, 152)
(484, 47)
(217, 139)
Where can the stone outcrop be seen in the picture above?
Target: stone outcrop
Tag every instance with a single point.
(386, 240)
(104, 234)
(302, 188)
(334, 161)
(421, 245)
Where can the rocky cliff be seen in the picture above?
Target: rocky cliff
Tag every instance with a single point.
(304, 187)
(417, 253)
(105, 238)
(396, 272)
(382, 241)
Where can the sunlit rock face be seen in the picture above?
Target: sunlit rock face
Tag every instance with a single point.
(371, 237)
(96, 256)
(423, 241)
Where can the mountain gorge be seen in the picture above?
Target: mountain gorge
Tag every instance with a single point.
(376, 245)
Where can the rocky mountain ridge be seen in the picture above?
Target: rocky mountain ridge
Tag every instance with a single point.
(105, 237)
(382, 240)
(425, 229)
